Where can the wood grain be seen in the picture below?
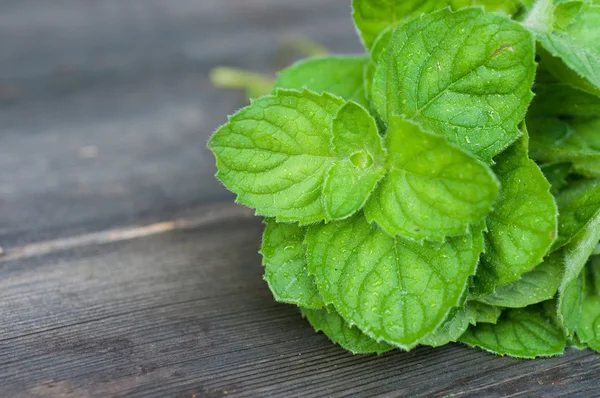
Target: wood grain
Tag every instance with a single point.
(187, 312)
(128, 272)
(129, 80)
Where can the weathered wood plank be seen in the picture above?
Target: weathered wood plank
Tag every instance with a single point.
(106, 107)
(186, 312)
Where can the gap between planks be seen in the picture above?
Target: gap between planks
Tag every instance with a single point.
(209, 215)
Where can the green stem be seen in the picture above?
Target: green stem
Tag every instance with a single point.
(255, 83)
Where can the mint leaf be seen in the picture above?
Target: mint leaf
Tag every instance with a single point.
(338, 75)
(483, 283)
(466, 75)
(564, 123)
(452, 328)
(521, 333)
(556, 174)
(553, 69)
(275, 154)
(295, 157)
(576, 254)
(588, 327)
(572, 141)
(284, 258)
(505, 6)
(351, 180)
(564, 102)
(578, 206)
(389, 287)
(372, 17)
(485, 313)
(523, 224)
(404, 205)
(535, 286)
(349, 337)
(459, 320)
(433, 189)
(574, 38)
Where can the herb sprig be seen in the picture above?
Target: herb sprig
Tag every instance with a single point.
(442, 187)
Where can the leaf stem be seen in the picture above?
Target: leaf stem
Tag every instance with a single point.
(256, 84)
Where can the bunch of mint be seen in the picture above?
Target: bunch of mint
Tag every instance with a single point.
(442, 187)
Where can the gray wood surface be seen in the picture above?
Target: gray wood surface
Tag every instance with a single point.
(128, 272)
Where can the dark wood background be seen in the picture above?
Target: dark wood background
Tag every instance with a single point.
(127, 270)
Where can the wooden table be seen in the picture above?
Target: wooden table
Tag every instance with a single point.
(127, 269)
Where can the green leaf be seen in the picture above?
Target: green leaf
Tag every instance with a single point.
(535, 286)
(576, 254)
(465, 75)
(349, 337)
(572, 141)
(521, 333)
(391, 288)
(575, 343)
(540, 18)
(291, 156)
(275, 154)
(504, 6)
(523, 224)
(338, 75)
(452, 328)
(350, 181)
(564, 124)
(578, 206)
(485, 313)
(564, 102)
(284, 258)
(588, 327)
(433, 189)
(553, 69)
(556, 174)
(371, 17)
(483, 283)
(574, 38)
(458, 321)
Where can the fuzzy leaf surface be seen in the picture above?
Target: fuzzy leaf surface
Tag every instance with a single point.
(556, 174)
(351, 180)
(520, 333)
(576, 254)
(535, 286)
(433, 189)
(588, 328)
(392, 288)
(278, 153)
(371, 17)
(564, 124)
(523, 224)
(570, 32)
(465, 75)
(337, 330)
(275, 154)
(452, 328)
(338, 75)
(578, 206)
(284, 259)
(485, 313)
(575, 141)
